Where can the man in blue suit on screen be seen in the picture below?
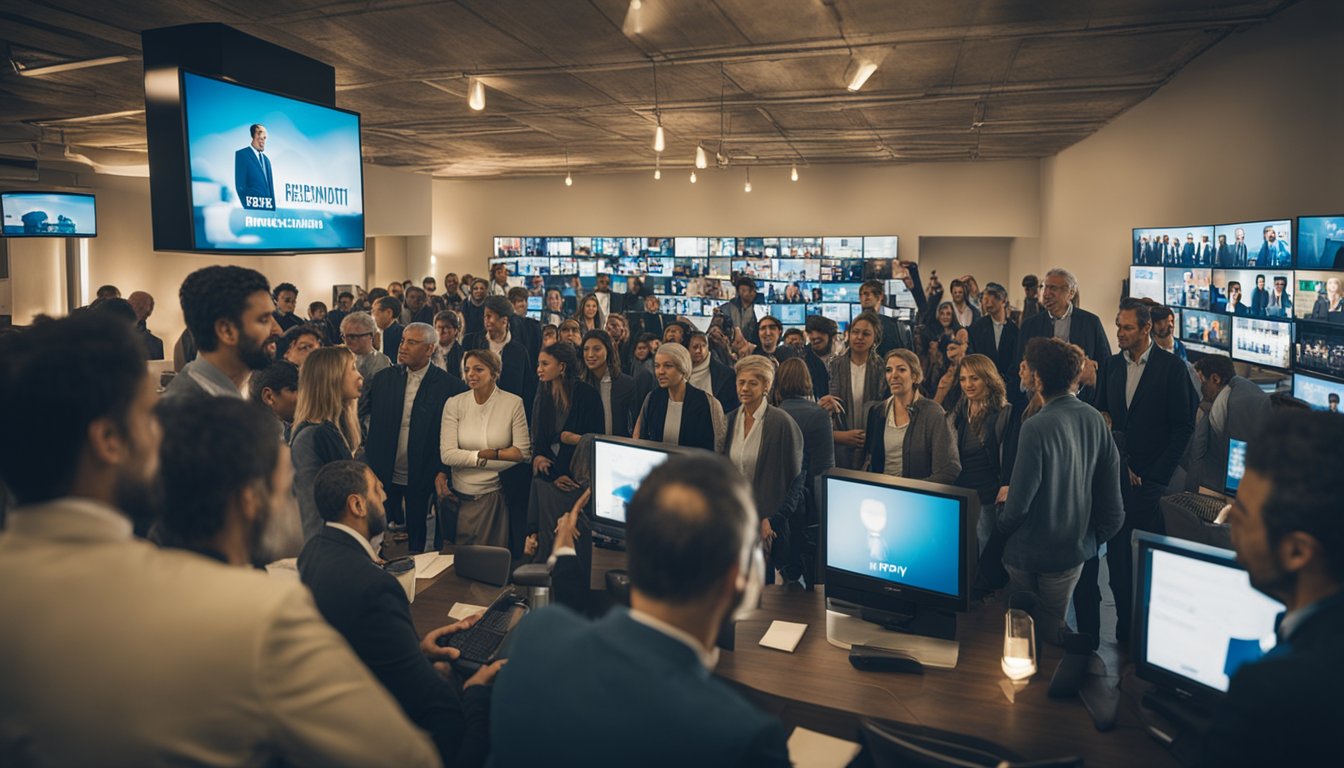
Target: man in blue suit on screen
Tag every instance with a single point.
(252, 175)
(1274, 252)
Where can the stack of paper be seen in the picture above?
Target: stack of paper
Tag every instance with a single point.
(431, 564)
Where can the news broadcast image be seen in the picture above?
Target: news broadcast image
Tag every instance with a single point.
(271, 173)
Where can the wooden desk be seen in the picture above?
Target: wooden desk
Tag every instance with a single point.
(817, 688)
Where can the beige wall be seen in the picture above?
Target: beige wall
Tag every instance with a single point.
(951, 199)
(1250, 130)
(987, 258)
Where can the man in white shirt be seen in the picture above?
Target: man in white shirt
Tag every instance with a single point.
(196, 662)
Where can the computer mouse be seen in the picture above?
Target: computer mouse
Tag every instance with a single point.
(883, 660)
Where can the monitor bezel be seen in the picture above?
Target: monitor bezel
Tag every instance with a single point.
(879, 591)
(92, 196)
(605, 524)
(1145, 542)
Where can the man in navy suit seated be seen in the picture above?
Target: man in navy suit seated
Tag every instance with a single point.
(1285, 708)
(636, 687)
(252, 173)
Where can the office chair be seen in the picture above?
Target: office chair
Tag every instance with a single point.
(886, 745)
(491, 565)
(1190, 516)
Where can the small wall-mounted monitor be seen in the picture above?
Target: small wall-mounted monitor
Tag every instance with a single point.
(1262, 342)
(1320, 349)
(1255, 244)
(48, 214)
(1320, 242)
(1321, 394)
(1147, 283)
(1174, 247)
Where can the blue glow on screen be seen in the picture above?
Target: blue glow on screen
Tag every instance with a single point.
(42, 214)
(308, 195)
(896, 535)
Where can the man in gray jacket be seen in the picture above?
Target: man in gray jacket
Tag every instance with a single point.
(1236, 409)
(1064, 497)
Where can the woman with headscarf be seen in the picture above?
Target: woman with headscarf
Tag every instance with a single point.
(676, 412)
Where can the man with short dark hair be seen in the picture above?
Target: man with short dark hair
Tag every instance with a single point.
(651, 320)
(429, 284)
(277, 388)
(525, 329)
(1031, 286)
(228, 311)
(1285, 709)
(1164, 331)
(821, 332)
(895, 333)
(143, 304)
(286, 297)
(739, 313)
(499, 279)
(404, 411)
(795, 338)
(368, 606)
(1064, 496)
(345, 304)
(473, 308)
(691, 539)
(387, 316)
(1237, 408)
(1145, 393)
(106, 292)
(299, 342)
(771, 332)
(448, 351)
(242, 666)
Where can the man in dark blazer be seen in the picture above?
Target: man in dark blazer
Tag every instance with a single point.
(1063, 320)
(650, 320)
(369, 607)
(641, 677)
(252, 178)
(448, 352)
(995, 335)
(518, 367)
(1145, 392)
(404, 408)
(387, 314)
(1259, 297)
(1285, 708)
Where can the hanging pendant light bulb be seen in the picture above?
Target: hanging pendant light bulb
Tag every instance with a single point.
(692, 177)
(701, 160)
(747, 186)
(793, 172)
(476, 94)
(657, 168)
(569, 180)
(659, 142)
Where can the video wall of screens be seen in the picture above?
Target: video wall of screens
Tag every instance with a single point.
(1268, 292)
(795, 276)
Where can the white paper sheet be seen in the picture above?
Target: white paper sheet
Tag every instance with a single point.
(809, 749)
(783, 635)
(431, 564)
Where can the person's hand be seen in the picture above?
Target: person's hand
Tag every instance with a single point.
(441, 485)
(850, 437)
(831, 403)
(1088, 375)
(948, 380)
(767, 534)
(1133, 478)
(570, 438)
(485, 675)
(566, 483)
(1002, 498)
(1105, 416)
(530, 545)
(567, 527)
(429, 645)
(541, 465)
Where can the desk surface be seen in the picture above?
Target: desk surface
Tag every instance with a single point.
(816, 687)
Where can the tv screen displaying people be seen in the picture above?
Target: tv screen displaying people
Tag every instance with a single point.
(1265, 244)
(48, 214)
(1318, 296)
(1208, 329)
(1321, 394)
(1188, 287)
(1320, 242)
(1173, 247)
(1319, 349)
(270, 173)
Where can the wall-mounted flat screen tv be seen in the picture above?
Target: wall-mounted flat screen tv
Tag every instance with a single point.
(48, 214)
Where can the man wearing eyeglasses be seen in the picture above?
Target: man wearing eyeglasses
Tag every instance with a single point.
(357, 330)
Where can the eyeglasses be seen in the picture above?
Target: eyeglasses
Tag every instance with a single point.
(408, 340)
(349, 336)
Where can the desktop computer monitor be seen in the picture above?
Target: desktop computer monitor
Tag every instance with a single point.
(900, 550)
(620, 464)
(1197, 618)
(1236, 465)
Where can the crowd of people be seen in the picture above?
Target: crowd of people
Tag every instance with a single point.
(453, 416)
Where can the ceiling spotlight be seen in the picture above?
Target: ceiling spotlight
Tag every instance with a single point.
(747, 186)
(692, 177)
(858, 73)
(659, 144)
(701, 159)
(476, 94)
(569, 180)
(793, 172)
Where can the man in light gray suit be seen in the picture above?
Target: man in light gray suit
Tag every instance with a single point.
(1236, 408)
(141, 656)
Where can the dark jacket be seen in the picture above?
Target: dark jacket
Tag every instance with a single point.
(724, 379)
(368, 606)
(930, 448)
(382, 405)
(1158, 424)
(1005, 355)
(1085, 330)
(697, 421)
(392, 340)
(896, 334)
(1285, 709)
(646, 693)
(473, 317)
(624, 404)
(584, 418)
(312, 447)
(821, 375)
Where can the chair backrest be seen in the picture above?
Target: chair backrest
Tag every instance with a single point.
(492, 565)
(888, 745)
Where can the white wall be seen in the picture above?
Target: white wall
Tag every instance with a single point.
(1250, 130)
(951, 199)
(987, 258)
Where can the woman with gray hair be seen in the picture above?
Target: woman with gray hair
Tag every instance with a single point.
(767, 446)
(676, 412)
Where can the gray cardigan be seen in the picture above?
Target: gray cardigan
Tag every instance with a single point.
(778, 482)
(874, 392)
(1064, 498)
(930, 449)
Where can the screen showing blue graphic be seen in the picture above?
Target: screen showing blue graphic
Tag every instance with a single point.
(1320, 242)
(48, 214)
(1236, 464)
(896, 535)
(1320, 394)
(269, 173)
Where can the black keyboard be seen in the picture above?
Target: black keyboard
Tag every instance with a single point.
(480, 645)
(1206, 508)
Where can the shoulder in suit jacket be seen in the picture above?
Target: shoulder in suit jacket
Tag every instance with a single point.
(368, 606)
(645, 692)
(385, 404)
(624, 404)
(724, 380)
(1085, 330)
(1004, 354)
(1158, 422)
(392, 339)
(1248, 407)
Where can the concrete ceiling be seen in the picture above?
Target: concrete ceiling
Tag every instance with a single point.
(957, 79)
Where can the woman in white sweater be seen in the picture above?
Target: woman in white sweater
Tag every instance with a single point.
(484, 433)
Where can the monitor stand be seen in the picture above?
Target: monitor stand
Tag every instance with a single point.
(845, 629)
(1180, 723)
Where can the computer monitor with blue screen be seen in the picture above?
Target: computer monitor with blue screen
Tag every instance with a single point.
(898, 549)
(1319, 393)
(1236, 465)
(1197, 618)
(619, 465)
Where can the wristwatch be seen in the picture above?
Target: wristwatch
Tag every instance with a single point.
(480, 461)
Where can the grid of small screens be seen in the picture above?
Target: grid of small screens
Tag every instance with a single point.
(795, 276)
(1269, 293)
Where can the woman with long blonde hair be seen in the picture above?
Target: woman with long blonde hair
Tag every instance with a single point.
(985, 429)
(326, 424)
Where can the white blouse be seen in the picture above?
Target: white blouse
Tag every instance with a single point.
(497, 423)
